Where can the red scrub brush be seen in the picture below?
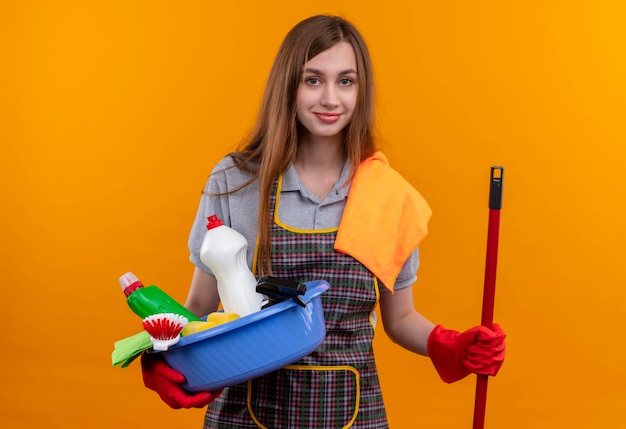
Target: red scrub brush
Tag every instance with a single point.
(164, 329)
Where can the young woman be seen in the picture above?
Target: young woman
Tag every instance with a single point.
(315, 200)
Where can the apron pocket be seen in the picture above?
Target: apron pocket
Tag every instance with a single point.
(305, 397)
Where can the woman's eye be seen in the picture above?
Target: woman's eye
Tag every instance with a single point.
(313, 81)
(345, 82)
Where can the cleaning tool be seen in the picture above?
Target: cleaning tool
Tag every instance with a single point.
(278, 290)
(493, 232)
(164, 329)
(146, 301)
(375, 185)
(251, 346)
(212, 320)
(126, 350)
(223, 250)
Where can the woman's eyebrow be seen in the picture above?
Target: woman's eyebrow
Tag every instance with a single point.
(317, 71)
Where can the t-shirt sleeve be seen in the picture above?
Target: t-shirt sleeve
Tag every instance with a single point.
(408, 274)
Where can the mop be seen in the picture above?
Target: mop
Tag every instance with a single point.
(489, 291)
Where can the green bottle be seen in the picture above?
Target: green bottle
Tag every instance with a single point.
(146, 301)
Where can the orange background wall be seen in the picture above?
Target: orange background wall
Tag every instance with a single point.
(113, 113)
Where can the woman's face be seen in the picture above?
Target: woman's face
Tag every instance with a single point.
(327, 92)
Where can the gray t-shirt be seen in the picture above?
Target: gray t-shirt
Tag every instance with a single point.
(299, 208)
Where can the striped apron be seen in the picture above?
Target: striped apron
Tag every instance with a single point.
(337, 385)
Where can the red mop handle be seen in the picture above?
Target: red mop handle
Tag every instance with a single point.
(489, 292)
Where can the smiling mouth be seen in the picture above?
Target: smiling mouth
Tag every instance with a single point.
(328, 117)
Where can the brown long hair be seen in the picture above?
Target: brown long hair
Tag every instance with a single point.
(271, 146)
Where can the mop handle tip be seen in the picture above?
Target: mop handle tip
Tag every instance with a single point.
(495, 190)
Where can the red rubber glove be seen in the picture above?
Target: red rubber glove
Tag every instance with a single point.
(165, 380)
(455, 355)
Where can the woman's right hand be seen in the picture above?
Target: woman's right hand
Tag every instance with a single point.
(166, 381)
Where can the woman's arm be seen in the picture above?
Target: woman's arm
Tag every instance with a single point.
(454, 354)
(402, 323)
(203, 297)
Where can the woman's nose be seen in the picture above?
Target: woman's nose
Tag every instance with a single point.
(330, 98)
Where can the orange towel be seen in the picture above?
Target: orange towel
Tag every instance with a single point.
(385, 219)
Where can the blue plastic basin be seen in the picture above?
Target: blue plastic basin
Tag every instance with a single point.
(251, 346)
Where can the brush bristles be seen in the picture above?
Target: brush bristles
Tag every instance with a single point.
(164, 326)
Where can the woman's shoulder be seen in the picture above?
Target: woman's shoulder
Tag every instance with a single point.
(229, 171)
(226, 163)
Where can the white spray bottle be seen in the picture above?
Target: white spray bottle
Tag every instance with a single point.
(224, 252)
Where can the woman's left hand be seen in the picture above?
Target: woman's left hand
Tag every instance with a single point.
(478, 350)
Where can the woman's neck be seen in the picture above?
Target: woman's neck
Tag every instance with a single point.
(319, 163)
(320, 152)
